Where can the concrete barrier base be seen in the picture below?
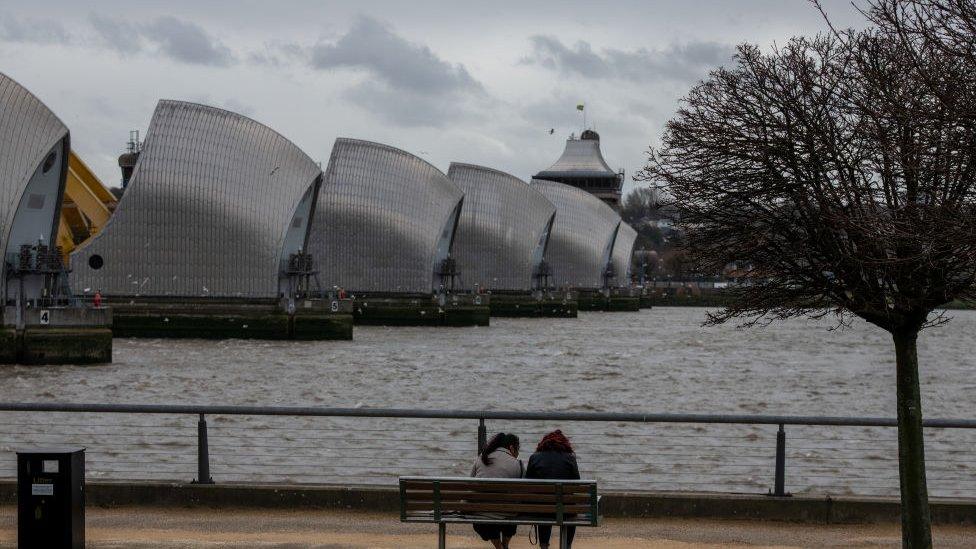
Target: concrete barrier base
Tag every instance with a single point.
(231, 319)
(527, 305)
(806, 509)
(57, 334)
(422, 310)
(66, 346)
(596, 301)
(50, 346)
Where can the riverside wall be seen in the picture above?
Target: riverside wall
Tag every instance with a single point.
(805, 509)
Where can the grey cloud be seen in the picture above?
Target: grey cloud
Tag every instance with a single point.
(550, 52)
(179, 40)
(187, 42)
(277, 54)
(372, 46)
(117, 34)
(103, 106)
(410, 85)
(679, 62)
(414, 108)
(34, 31)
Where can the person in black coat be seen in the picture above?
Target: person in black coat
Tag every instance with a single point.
(554, 459)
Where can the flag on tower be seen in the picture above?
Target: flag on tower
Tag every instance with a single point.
(579, 107)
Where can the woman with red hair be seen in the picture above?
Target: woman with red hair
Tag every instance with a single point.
(553, 458)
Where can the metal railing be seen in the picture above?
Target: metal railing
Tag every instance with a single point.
(626, 451)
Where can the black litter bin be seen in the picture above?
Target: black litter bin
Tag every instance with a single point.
(51, 498)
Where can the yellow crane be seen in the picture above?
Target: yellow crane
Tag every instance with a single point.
(86, 208)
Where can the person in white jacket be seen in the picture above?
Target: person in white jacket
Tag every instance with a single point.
(499, 459)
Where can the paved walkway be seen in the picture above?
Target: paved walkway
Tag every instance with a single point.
(142, 527)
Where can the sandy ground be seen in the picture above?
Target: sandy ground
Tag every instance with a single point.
(142, 527)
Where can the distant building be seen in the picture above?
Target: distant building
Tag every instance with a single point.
(582, 166)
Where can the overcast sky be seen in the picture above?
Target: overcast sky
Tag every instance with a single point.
(449, 81)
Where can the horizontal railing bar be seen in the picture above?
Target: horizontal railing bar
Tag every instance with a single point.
(472, 414)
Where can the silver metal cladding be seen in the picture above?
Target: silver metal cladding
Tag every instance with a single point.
(381, 216)
(207, 212)
(623, 253)
(581, 235)
(503, 223)
(34, 145)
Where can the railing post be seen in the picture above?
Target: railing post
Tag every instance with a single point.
(203, 453)
(482, 436)
(779, 489)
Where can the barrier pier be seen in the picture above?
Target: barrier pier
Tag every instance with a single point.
(56, 334)
(609, 300)
(377, 309)
(536, 304)
(213, 318)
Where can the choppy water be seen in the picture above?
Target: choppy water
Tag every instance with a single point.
(658, 360)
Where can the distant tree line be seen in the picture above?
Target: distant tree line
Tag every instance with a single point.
(660, 238)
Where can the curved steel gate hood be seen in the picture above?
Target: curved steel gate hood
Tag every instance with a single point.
(504, 228)
(385, 221)
(216, 204)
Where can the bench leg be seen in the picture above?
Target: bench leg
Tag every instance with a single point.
(563, 542)
(442, 536)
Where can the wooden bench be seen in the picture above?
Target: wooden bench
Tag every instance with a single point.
(441, 501)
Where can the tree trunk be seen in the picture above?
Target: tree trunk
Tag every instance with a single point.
(916, 523)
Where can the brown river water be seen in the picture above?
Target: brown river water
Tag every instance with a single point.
(659, 360)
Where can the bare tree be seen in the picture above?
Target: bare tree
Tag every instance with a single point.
(843, 177)
(945, 26)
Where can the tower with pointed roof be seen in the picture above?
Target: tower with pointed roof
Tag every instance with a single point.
(582, 166)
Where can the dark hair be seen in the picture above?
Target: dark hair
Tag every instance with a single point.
(501, 440)
(555, 441)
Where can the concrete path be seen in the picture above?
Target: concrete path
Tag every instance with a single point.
(144, 527)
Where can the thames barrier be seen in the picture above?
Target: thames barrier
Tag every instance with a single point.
(226, 229)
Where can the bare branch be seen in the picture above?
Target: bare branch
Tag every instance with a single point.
(839, 168)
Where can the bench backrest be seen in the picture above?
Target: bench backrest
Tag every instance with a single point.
(430, 499)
